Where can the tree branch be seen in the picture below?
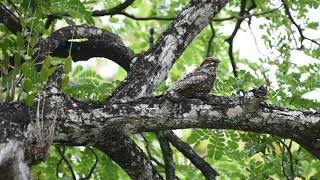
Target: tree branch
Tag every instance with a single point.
(233, 34)
(188, 152)
(150, 70)
(9, 19)
(300, 30)
(213, 34)
(93, 42)
(146, 18)
(128, 155)
(246, 16)
(81, 122)
(113, 10)
(167, 156)
(117, 10)
(93, 166)
(63, 157)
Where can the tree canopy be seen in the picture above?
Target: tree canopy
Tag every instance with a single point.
(67, 117)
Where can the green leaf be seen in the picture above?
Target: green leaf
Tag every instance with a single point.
(27, 85)
(29, 100)
(65, 81)
(68, 65)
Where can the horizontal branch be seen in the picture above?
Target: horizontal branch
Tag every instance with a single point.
(82, 123)
(246, 16)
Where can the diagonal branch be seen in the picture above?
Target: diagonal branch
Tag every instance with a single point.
(213, 34)
(128, 155)
(63, 157)
(300, 30)
(93, 166)
(247, 16)
(117, 10)
(150, 70)
(113, 10)
(9, 19)
(188, 152)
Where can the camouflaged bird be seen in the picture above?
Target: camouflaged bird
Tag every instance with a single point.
(196, 84)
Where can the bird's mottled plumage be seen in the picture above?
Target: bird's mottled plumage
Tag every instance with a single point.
(197, 83)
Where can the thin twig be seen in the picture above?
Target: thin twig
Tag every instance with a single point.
(282, 160)
(213, 34)
(113, 10)
(288, 148)
(246, 16)
(233, 35)
(149, 152)
(93, 166)
(67, 162)
(300, 30)
(60, 161)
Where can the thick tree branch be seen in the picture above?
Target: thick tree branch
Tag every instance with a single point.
(153, 68)
(128, 155)
(92, 42)
(188, 152)
(80, 123)
(9, 19)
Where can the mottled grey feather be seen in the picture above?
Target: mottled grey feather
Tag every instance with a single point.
(198, 82)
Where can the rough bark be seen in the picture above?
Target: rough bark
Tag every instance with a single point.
(9, 19)
(95, 42)
(150, 70)
(117, 146)
(132, 108)
(81, 123)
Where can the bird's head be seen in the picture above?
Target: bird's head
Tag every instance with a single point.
(210, 63)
